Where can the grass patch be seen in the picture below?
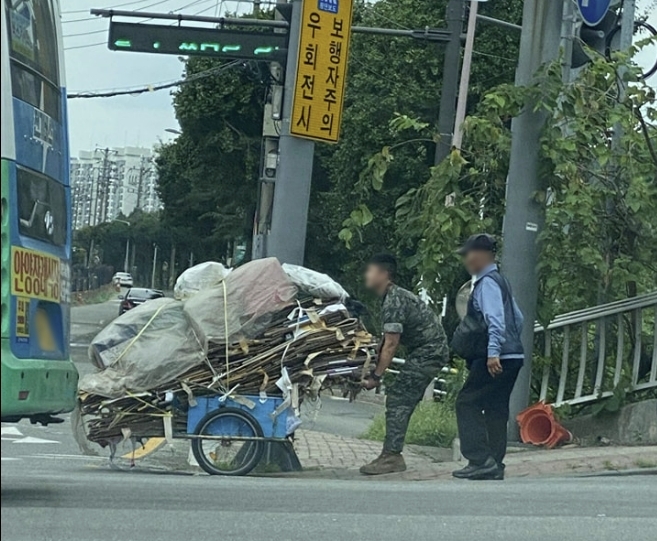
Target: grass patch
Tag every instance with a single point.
(94, 296)
(432, 423)
(645, 463)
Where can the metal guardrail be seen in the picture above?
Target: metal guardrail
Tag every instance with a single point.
(598, 347)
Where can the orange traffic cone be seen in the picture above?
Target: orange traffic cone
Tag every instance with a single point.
(539, 427)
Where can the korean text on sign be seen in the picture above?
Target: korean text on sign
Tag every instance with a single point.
(321, 69)
(35, 275)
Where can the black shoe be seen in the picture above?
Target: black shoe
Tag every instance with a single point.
(497, 475)
(464, 473)
(480, 471)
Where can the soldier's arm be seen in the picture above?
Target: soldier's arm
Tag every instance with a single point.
(386, 353)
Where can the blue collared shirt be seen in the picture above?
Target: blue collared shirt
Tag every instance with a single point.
(487, 299)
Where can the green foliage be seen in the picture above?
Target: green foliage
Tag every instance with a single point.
(109, 240)
(393, 90)
(613, 403)
(432, 423)
(598, 169)
(208, 175)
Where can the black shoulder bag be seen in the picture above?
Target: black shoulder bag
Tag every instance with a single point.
(470, 340)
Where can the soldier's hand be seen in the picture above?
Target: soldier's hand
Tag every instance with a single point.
(369, 383)
(494, 366)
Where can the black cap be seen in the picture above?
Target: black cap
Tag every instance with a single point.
(481, 241)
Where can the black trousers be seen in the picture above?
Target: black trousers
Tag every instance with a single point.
(482, 411)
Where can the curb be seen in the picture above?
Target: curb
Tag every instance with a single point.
(622, 473)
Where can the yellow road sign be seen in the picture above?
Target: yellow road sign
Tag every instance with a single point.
(321, 69)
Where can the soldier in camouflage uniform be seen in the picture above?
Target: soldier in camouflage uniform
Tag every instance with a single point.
(408, 321)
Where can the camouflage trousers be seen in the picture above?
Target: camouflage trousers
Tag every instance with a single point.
(402, 398)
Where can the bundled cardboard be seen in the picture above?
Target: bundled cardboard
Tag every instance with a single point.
(232, 338)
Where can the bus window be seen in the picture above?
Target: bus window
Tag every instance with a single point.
(32, 37)
(41, 207)
(33, 53)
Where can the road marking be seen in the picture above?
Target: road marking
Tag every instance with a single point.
(30, 439)
(10, 431)
(8, 459)
(151, 445)
(54, 456)
(76, 345)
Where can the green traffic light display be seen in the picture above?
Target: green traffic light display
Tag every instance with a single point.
(150, 38)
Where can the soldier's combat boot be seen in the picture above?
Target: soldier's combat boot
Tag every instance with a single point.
(385, 463)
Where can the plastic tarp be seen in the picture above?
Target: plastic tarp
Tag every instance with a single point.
(314, 283)
(243, 304)
(199, 277)
(144, 348)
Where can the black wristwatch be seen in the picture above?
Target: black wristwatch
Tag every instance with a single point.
(376, 376)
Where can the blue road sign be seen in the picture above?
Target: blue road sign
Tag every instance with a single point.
(593, 11)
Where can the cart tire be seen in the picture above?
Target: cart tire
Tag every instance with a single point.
(246, 458)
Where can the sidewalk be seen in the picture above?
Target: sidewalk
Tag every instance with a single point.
(331, 456)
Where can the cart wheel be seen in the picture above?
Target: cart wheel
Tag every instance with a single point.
(228, 457)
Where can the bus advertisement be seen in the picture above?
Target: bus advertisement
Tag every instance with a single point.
(39, 379)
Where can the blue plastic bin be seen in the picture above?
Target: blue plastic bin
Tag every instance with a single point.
(261, 411)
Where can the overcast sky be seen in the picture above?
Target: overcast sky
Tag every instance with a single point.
(90, 66)
(127, 120)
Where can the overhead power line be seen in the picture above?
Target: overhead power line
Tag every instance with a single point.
(87, 19)
(79, 34)
(154, 88)
(71, 12)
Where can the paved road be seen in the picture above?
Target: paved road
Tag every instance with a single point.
(83, 500)
(51, 493)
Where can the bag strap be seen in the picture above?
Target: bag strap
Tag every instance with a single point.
(505, 287)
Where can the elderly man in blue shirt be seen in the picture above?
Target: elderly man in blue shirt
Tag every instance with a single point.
(482, 406)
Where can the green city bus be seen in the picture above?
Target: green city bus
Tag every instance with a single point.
(39, 379)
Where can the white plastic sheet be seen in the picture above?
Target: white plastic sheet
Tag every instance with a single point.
(199, 277)
(144, 348)
(314, 283)
(253, 293)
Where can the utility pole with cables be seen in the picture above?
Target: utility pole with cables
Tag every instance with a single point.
(102, 187)
(449, 90)
(525, 215)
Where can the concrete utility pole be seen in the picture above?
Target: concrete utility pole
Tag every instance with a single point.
(449, 90)
(140, 182)
(287, 238)
(271, 123)
(102, 188)
(464, 84)
(155, 248)
(525, 216)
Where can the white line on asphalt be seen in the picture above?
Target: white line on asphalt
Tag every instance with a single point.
(10, 431)
(30, 439)
(67, 457)
(7, 459)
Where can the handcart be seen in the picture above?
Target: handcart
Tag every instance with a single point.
(229, 434)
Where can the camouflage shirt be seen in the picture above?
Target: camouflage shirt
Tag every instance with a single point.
(421, 332)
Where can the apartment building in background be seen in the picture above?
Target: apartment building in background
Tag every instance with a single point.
(109, 182)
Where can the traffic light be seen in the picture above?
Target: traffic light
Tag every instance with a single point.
(593, 40)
